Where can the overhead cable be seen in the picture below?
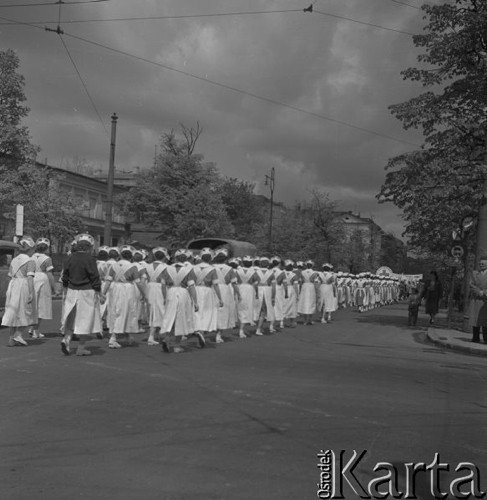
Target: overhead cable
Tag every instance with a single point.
(406, 4)
(84, 85)
(362, 22)
(43, 4)
(227, 87)
(181, 16)
(240, 91)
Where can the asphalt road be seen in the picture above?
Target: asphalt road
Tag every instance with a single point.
(242, 420)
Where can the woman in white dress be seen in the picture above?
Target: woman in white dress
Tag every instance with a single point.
(103, 265)
(327, 292)
(267, 295)
(208, 294)
(360, 293)
(309, 295)
(155, 299)
(247, 284)
(281, 291)
(123, 280)
(44, 285)
(291, 303)
(178, 288)
(227, 282)
(20, 308)
(142, 314)
(81, 301)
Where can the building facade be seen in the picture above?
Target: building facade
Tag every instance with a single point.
(89, 196)
(378, 247)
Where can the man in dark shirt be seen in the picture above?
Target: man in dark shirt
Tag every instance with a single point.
(81, 287)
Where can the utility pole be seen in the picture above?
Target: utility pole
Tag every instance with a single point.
(269, 181)
(107, 236)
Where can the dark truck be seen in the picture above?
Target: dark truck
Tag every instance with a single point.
(235, 248)
(7, 252)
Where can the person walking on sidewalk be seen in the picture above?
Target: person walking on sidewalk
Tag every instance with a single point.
(478, 304)
(432, 294)
(414, 301)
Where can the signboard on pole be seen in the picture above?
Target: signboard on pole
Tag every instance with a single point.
(384, 271)
(457, 251)
(19, 220)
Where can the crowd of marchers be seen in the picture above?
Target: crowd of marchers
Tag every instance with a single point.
(114, 292)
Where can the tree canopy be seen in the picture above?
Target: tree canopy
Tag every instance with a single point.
(15, 146)
(439, 184)
(47, 212)
(180, 194)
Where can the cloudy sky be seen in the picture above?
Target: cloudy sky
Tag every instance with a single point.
(305, 93)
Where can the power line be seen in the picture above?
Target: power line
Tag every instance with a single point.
(406, 4)
(13, 21)
(362, 22)
(181, 16)
(227, 87)
(223, 14)
(43, 4)
(240, 91)
(84, 85)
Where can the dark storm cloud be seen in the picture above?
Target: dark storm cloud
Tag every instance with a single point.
(333, 68)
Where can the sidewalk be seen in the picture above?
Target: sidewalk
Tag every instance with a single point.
(456, 340)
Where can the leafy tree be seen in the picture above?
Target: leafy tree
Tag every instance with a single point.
(48, 212)
(180, 194)
(15, 146)
(310, 230)
(242, 207)
(330, 231)
(441, 183)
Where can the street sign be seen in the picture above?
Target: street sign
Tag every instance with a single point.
(19, 220)
(457, 251)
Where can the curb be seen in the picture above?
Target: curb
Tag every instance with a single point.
(454, 346)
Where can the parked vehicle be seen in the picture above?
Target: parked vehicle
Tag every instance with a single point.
(7, 252)
(235, 248)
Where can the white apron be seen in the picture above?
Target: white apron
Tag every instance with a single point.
(81, 313)
(307, 296)
(42, 287)
(179, 312)
(266, 277)
(155, 299)
(226, 315)
(245, 307)
(205, 319)
(122, 313)
(18, 311)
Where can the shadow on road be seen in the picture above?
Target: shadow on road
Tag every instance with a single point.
(389, 320)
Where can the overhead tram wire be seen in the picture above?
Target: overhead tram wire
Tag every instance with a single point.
(228, 14)
(72, 61)
(60, 32)
(181, 16)
(406, 4)
(227, 87)
(84, 85)
(44, 4)
(361, 22)
(242, 92)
